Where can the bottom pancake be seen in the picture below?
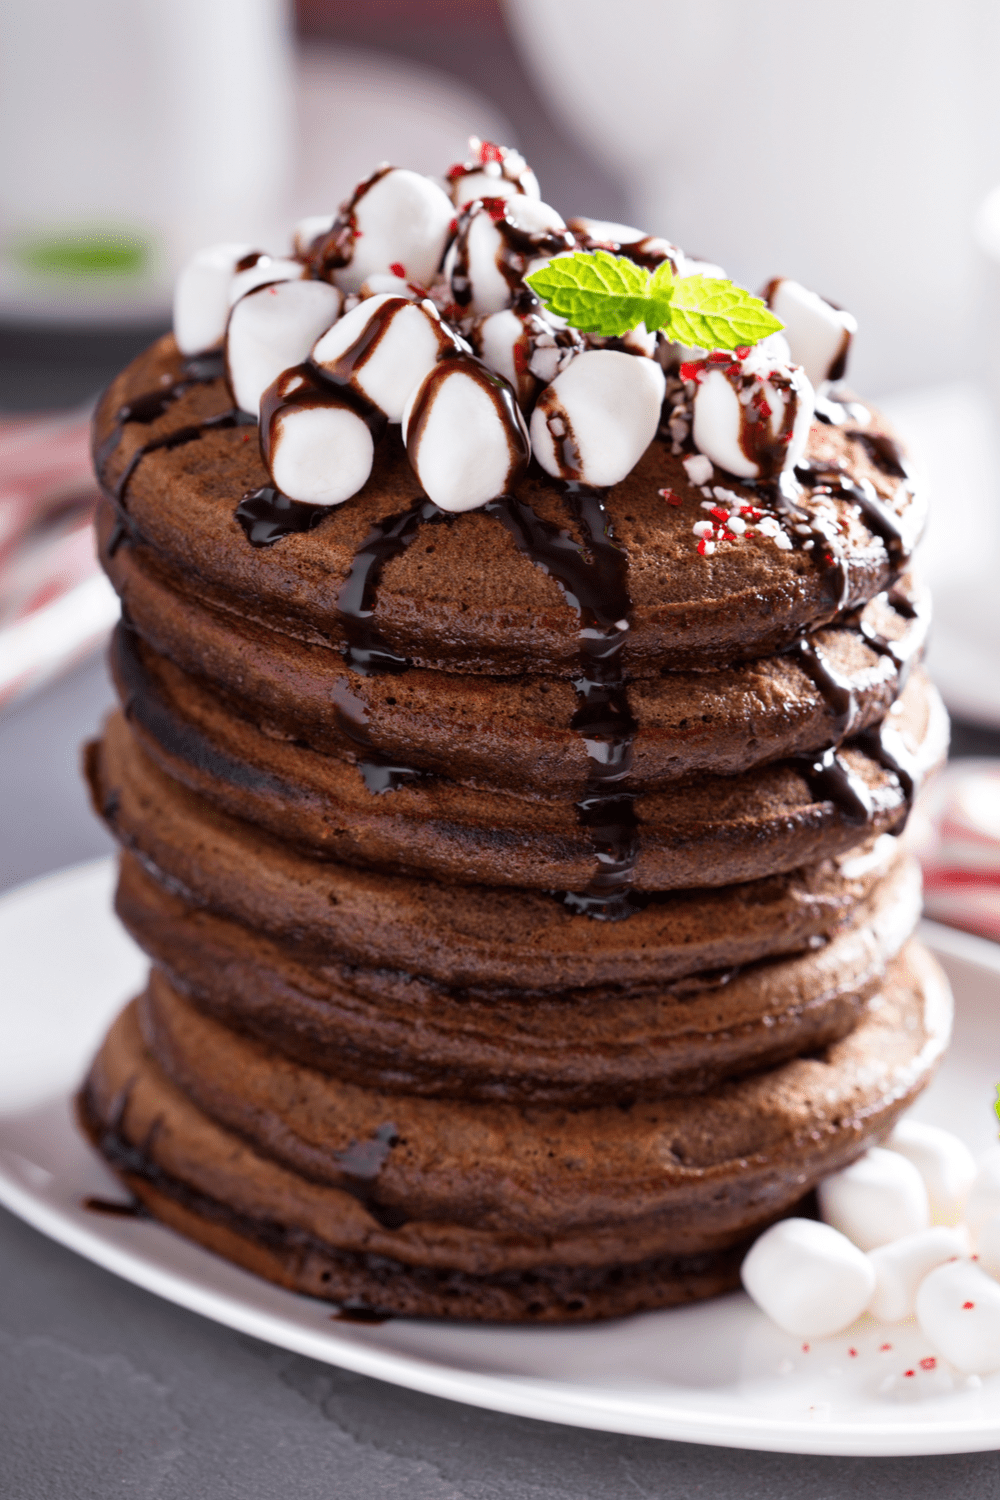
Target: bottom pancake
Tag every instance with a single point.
(431, 1208)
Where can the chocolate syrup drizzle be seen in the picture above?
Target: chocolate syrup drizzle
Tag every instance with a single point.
(593, 578)
(199, 369)
(518, 247)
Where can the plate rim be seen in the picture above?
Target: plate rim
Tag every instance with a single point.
(540, 1398)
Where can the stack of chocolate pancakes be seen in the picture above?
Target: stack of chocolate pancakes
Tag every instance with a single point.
(528, 920)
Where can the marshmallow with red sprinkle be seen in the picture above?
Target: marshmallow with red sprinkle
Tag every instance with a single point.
(383, 348)
(317, 447)
(201, 296)
(597, 418)
(265, 270)
(491, 172)
(272, 329)
(751, 412)
(464, 434)
(498, 242)
(958, 1309)
(819, 334)
(525, 349)
(808, 1278)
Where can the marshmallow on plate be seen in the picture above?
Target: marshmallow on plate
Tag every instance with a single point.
(808, 1278)
(901, 1266)
(944, 1162)
(493, 172)
(878, 1198)
(201, 297)
(525, 349)
(316, 445)
(958, 1309)
(818, 334)
(751, 414)
(272, 329)
(596, 419)
(397, 222)
(497, 244)
(383, 348)
(464, 434)
(983, 1202)
(264, 270)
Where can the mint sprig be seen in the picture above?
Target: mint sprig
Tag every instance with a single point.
(609, 295)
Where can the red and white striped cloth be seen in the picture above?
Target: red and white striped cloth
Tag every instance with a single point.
(55, 604)
(956, 832)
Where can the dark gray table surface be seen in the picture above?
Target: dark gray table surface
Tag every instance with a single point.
(107, 1391)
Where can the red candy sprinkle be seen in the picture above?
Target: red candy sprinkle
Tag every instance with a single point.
(495, 207)
(701, 545)
(966, 1305)
(883, 1347)
(765, 409)
(453, 226)
(457, 169)
(909, 1373)
(668, 495)
(741, 351)
(719, 513)
(690, 370)
(489, 152)
(805, 1348)
(398, 269)
(930, 1363)
(853, 1353)
(719, 357)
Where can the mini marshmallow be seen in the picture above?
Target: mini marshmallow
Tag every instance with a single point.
(879, 1198)
(983, 1202)
(401, 220)
(266, 269)
(493, 172)
(596, 419)
(273, 329)
(752, 415)
(944, 1162)
(818, 334)
(318, 449)
(309, 229)
(464, 435)
(201, 297)
(807, 1278)
(473, 263)
(525, 349)
(958, 1309)
(383, 349)
(901, 1266)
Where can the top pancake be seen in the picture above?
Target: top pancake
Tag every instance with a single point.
(462, 598)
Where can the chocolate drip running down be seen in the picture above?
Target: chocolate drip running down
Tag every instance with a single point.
(593, 578)
(198, 369)
(334, 249)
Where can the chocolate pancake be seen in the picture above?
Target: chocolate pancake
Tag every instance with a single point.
(488, 1210)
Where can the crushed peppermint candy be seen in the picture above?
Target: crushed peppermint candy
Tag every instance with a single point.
(670, 496)
(698, 468)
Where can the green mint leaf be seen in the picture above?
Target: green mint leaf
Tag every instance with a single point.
(609, 295)
(597, 293)
(706, 313)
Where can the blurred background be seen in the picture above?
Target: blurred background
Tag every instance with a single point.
(856, 150)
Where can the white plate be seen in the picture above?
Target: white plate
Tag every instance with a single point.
(716, 1373)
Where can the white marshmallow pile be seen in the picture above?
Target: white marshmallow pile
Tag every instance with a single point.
(891, 1244)
(818, 334)
(407, 276)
